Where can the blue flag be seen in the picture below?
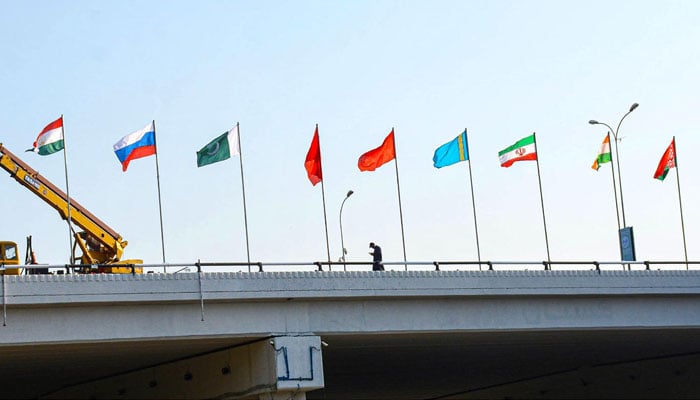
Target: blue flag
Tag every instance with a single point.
(452, 152)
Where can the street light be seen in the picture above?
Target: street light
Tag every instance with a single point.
(617, 160)
(342, 242)
(617, 155)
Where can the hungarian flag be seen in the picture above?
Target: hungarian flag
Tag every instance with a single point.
(604, 155)
(219, 149)
(50, 140)
(375, 158)
(313, 160)
(668, 161)
(523, 150)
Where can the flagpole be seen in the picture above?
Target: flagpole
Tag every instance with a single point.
(680, 203)
(245, 210)
(539, 179)
(398, 188)
(612, 171)
(471, 184)
(160, 207)
(65, 165)
(323, 195)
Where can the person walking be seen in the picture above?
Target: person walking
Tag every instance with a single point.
(376, 254)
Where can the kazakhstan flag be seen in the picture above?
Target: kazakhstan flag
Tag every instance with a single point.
(452, 152)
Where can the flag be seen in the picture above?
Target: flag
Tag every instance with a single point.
(313, 160)
(50, 140)
(523, 150)
(668, 161)
(452, 152)
(219, 149)
(375, 158)
(604, 155)
(141, 143)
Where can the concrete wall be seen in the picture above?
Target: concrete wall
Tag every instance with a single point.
(44, 309)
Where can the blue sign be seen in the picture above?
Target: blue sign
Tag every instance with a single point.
(627, 244)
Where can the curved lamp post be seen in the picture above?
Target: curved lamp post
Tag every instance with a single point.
(617, 155)
(342, 242)
(628, 239)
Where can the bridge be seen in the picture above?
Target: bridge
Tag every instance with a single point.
(352, 335)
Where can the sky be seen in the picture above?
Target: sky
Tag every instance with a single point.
(500, 69)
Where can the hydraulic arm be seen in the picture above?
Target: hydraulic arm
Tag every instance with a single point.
(99, 243)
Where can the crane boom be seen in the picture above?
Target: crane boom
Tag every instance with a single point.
(99, 243)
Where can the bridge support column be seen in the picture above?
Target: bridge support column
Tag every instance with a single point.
(284, 396)
(279, 367)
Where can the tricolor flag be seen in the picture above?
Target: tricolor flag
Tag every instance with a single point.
(313, 160)
(50, 140)
(668, 161)
(523, 150)
(141, 143)
(219, 149)
(375, 158)
(452, 152)
(604, 155)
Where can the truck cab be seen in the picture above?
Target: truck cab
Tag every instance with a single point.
(9, 256)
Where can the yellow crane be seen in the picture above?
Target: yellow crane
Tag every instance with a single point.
(99, 244)
(9, 256)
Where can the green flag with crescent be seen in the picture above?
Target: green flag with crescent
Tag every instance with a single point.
(219, 149)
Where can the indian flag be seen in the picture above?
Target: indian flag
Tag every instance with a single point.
(50, 140)
(523, 150)
(604, 155)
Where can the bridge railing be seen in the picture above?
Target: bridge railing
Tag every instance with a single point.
(359, 266)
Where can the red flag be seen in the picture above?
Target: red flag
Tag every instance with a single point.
(313, 160)
(668, 161)
(375, 158)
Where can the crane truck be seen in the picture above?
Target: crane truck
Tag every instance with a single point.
(101, 246)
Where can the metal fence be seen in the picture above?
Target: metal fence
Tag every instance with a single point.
(253, 267)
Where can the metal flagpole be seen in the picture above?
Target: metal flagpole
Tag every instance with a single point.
(539, 179)
(160, 207)
(617, 207)
(680, 203)
(619, 180)
(325, 222)
(65, 165)
(245, 210)
(398, 188)
(471, 184)
(612, 170)
(323, 195)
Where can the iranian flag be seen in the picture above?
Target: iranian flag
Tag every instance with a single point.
(668, 161)
(523, 150)
(50, 140)
(604, 156)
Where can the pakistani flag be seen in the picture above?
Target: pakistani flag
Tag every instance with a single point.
(219, 149)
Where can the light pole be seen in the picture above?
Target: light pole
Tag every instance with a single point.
(617, 160)
(342, 242)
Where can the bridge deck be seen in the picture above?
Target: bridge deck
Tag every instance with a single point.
(435, 332)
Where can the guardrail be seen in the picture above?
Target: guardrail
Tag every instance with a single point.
(357, 266)
(319, 266)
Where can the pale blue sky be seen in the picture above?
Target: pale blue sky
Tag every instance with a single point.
(502, 69)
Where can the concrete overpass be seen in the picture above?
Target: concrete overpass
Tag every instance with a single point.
(389, 335)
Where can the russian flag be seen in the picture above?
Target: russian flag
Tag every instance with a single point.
(141, 143)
